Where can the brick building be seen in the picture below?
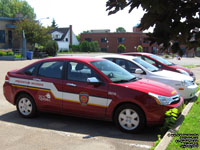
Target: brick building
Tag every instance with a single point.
(109, 42)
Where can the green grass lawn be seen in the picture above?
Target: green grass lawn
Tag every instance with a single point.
(191, 66)
(190, 125)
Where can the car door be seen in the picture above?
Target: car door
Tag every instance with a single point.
(46, 86)
(81, 98)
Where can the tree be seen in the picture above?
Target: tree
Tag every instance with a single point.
(120, 29)
(11, 8)
(53, 23)
(121, 48)
(34, 32)
(176, 22)
(139, 48)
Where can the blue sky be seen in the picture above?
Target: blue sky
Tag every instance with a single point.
(84, 15)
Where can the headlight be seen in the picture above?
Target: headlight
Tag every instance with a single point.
(164, 100)
(183, 72)
(187, 83)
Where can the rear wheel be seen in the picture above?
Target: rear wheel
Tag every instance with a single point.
(26, 106)
(129, 118)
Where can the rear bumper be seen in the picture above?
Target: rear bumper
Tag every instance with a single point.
(8, 94)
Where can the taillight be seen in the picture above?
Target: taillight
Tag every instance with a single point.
(7, 78)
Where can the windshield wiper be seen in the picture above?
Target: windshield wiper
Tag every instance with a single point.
(155, 70)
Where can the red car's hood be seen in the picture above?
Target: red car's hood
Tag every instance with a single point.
(180, 67)
(146, 86)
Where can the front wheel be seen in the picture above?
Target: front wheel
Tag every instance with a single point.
(129, 118)
(26, 106)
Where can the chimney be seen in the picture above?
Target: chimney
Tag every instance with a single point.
(70, 31)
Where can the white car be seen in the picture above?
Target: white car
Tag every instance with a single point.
(182, 83)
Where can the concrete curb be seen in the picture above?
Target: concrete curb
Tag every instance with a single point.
(167, 138)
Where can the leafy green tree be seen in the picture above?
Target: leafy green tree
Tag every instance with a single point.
(53, 23)
(121, 48)
(10, 8)
(34, 32)
(120, 29)
(177, 21)
(139, 48)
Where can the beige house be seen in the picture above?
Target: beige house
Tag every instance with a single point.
(8, 39)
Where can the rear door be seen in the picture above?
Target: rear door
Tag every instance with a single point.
(81, 98)
(46, 86)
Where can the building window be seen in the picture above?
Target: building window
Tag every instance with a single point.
(88, 39)
(145, 41)
(146, 49)
(66, 39)
(103, 49)
(2, 36)
(121, 40)
(154, 50)
(104, 40)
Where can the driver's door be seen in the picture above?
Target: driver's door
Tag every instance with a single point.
(81, 98)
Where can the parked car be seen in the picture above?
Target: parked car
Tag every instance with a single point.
(162, 63)
(90, 87)
(182, 83)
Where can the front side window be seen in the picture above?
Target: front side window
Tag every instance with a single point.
(114, 72)
(79, 72)
(104, 40)
(129, 66)
(146, 65)
(51, 69)
(160, 59)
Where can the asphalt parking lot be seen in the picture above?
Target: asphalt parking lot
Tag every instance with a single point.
(51, 131)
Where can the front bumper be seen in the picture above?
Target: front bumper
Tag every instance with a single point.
(188, 92)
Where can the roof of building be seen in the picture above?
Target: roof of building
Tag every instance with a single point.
(61, 30)
(10, 19)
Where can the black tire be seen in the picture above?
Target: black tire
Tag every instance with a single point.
(26, 106)
(129, 118)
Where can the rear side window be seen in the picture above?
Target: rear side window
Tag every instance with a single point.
(51, 69)
(31, 70)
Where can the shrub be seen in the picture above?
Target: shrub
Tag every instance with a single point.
(121, 48)
(86, 46)
(139, 48)
(166, 56)
(3, 53)
(74, 48)
(51, 48)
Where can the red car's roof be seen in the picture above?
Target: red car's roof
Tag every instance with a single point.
(138, 53)
(76, 58)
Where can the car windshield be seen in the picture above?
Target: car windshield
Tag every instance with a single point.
(146, 65)
(160, 59)
(114, 72)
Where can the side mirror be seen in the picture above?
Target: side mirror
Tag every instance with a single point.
(138, 71)
(93, 81)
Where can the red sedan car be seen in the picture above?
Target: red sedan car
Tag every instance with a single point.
(89, 87)
(161, 63)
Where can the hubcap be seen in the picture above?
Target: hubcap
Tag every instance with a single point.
(25, 106)
(128, 119)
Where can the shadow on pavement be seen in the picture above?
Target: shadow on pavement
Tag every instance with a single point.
(93, 128)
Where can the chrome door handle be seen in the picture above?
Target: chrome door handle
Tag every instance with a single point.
(71, 84)
(36, 79)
